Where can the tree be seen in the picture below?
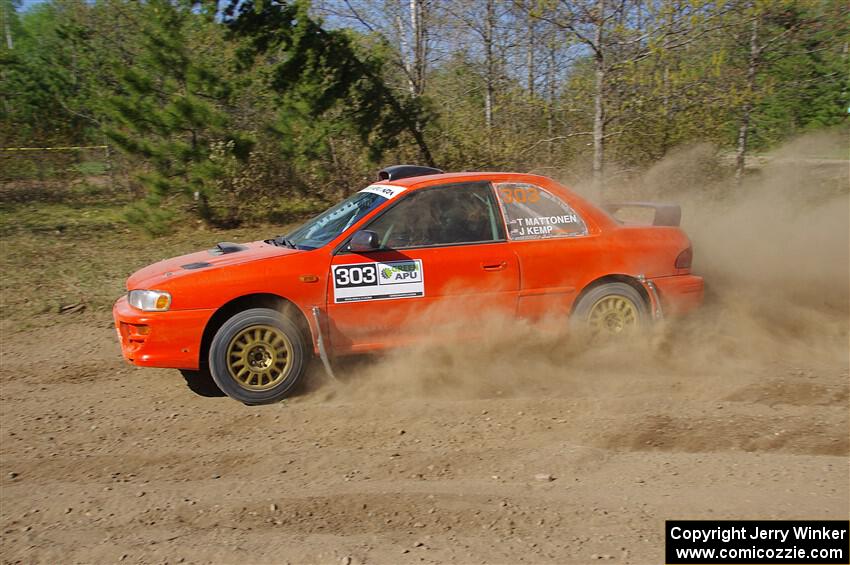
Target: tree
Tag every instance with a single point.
(619, 34)
(796, 43)
(407, 26)
(318, 70)
(170, 110)
(34, 81)
(259, 108)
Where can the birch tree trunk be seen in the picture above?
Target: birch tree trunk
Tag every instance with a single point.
(488, 54)
(599, 101)
(406, 60)
(10, 45)
(420, 45)
(550, 99)
(529, 54)
(746, 110)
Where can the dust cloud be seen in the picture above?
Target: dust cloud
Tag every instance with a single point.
(775, 257)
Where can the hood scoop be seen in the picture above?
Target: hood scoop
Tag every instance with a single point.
(198, 265)
(226, 247)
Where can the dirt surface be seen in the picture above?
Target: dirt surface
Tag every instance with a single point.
(523, 447)
(103, 462)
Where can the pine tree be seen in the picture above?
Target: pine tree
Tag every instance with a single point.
(170, 111)
(324, 83)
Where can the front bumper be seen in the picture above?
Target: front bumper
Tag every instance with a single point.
(169, 339)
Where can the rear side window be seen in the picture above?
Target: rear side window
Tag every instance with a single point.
(533, 213)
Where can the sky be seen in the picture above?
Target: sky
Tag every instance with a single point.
(26, 4)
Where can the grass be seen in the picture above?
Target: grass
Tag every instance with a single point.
(90, 168)
(56, 218)
(44, 271)
(81, 249)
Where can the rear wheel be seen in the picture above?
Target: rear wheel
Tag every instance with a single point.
(257, 356)
(611, 310)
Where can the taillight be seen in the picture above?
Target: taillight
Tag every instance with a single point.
(683, 261)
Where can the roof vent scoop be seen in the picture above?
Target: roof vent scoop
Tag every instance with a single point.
(397, 172)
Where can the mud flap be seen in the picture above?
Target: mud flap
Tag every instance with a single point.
(655, 301)
(323, 353)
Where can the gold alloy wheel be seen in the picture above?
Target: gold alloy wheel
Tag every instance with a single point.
(612, 315)
(259, 357)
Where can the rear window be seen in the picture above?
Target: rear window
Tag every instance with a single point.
(533, 213)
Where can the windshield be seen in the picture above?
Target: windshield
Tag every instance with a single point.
(332, 222)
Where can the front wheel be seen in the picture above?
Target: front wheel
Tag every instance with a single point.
(257, 356)
(611, 310)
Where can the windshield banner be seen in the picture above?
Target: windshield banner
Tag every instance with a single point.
(385, 190)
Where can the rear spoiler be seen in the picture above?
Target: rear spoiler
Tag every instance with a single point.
(665, 214)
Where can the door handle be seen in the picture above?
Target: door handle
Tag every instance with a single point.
(494, 265)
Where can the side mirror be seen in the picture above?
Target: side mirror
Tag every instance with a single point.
(363, 241)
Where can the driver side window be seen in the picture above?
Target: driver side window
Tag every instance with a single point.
(446, 215)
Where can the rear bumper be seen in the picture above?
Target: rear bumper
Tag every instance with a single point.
(679, 294)
(160, 339)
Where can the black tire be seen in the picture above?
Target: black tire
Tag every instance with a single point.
(201, 383)
(254, 346)
(590, 314)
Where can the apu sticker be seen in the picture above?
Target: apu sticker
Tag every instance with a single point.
(386, 190)
(378, 281)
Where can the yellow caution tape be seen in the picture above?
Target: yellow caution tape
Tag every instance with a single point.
(54, 148)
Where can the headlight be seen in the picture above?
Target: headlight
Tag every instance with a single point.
(149, 300)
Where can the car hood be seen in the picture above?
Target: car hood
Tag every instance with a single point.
(223, 255)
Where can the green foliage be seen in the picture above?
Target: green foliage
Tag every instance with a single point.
(33, 78)
(805, 84)
(326, 88)
(261, 111)
(695, 93)
(169, 109)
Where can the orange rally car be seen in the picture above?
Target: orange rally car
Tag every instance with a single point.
(391, 265)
